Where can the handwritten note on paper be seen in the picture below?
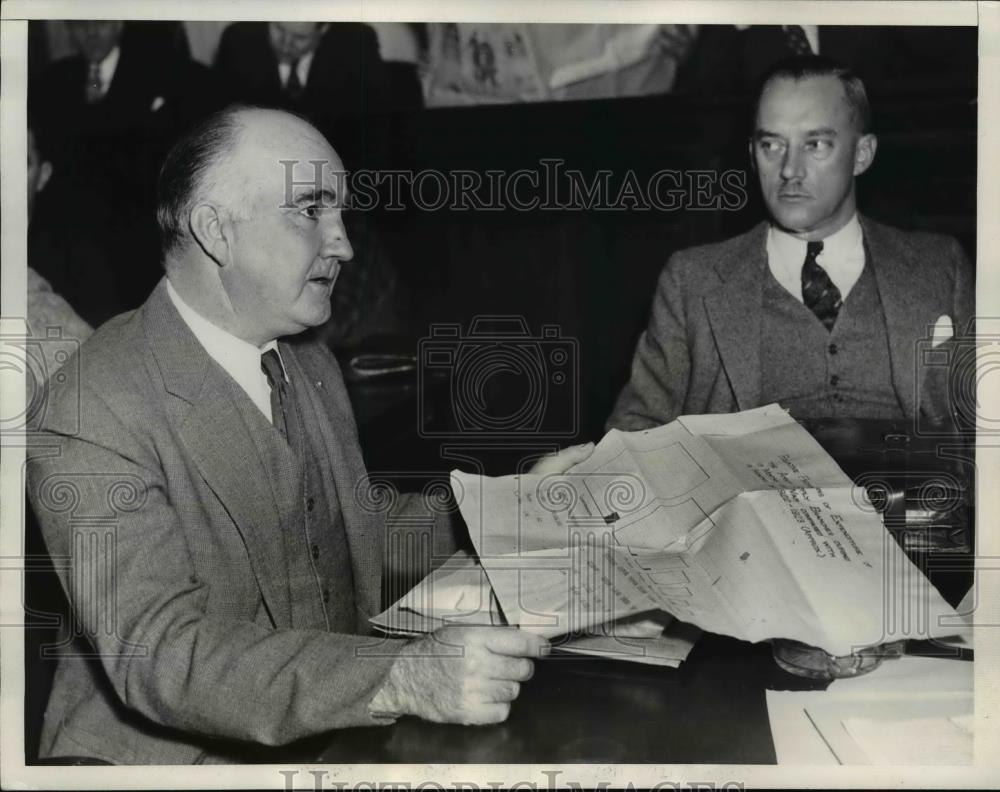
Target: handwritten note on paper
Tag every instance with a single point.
(755, 534)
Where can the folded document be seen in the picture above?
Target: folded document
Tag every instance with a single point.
(740, 524)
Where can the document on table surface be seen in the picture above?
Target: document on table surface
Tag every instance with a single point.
(460, 593)
(740, 524)
(910, 710)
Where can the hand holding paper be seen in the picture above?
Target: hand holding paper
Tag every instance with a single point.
(465, 675)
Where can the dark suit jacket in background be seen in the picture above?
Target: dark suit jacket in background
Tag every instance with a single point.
(146, 71)
(198, 654)
(701, 350)
(916, 61)
(346, 78)
(106, 157)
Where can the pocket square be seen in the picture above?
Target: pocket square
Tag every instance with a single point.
(943, 330)
(158, 102)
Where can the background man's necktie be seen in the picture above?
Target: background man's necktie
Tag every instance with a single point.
(795, 38)
(818, 292)
(271, 365)
(94, 87)
(294, 85)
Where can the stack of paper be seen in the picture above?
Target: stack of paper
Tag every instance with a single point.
(909, 711)
(460, 593)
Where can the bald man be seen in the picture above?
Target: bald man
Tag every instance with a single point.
(223, 569)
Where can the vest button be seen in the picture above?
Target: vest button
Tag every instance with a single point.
(832, 349)
(834, 380)
(315, 551)
(310, 504)
(326, 595)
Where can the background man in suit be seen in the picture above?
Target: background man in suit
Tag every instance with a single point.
(818, 309)
(215, 436)
(108, 114)
(320, 70)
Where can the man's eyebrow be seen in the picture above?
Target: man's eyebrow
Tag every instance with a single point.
(822, 132)
(763, 133)
(324, 197)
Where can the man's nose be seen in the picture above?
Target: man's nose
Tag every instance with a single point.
(335, 241)
(792, 167)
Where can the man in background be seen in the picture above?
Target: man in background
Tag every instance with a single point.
(818, 308)
(318, 69)
(108, 113)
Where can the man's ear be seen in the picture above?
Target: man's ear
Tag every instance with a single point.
(750, 153)
(211, 231)
(864, 153)
(44, 174)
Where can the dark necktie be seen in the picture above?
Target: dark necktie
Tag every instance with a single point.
(818, 292)
(270, 363)
(294, 85)
(94, 86)
(795, 38)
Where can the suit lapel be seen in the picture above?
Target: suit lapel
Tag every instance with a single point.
(902, 288)
(734, 313)
(219, 440)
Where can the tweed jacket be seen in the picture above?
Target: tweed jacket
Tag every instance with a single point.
(700, 352)
(154, 483)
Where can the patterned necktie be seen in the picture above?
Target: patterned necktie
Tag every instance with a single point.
(270, 363)
(94, 87)
(795, 38)
(818, 292)
(294, 85)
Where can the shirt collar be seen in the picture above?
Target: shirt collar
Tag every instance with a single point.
(844, 243)
(108, 66)
(304, 64)
(843, 257)
(238, 358)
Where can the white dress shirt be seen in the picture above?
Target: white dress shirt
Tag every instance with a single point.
(812, 36)
(302, 69)
(107, 67)
(240, 359)
(843, 258)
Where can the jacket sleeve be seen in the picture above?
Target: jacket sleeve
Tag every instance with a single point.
(105, 508)
(661, 366)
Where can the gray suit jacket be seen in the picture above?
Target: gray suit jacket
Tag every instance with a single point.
(155, 484)
(701, 350)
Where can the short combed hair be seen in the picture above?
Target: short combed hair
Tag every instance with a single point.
(185, 172)
(804, 66)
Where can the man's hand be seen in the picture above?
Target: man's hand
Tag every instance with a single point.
(558, 463)
(459, 674)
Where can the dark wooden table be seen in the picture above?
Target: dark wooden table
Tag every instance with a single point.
(583, 710)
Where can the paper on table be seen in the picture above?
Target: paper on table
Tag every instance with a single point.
(459, 593)
(918, 741)
(755, 535)
(796, 739)
(917, 731)
(834, 726)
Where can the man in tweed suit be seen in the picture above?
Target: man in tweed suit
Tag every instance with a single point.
(203, 485)
(819, 308)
